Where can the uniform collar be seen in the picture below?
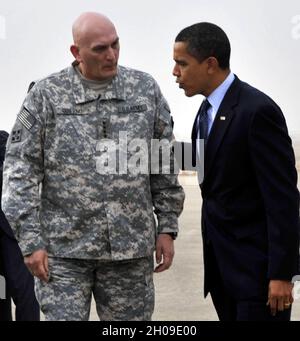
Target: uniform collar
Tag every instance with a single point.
(115, 90)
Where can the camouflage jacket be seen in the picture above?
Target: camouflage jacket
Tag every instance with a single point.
(53, 195)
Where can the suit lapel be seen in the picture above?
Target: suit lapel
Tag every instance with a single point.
(221, 123)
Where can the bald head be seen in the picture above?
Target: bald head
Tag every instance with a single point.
(89, 25)
(96, 46)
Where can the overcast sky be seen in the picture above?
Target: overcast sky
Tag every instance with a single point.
(35, 37)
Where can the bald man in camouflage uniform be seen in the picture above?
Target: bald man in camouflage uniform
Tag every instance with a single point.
(83, 231)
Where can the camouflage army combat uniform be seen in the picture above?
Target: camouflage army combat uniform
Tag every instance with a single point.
(56, 200)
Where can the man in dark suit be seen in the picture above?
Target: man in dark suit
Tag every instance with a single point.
(250, 212)
(19, 281)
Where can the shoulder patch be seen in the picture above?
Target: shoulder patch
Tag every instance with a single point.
(16, 136)
(26, 118)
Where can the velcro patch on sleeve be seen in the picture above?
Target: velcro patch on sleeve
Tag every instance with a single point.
(16, 136)
(26, 118)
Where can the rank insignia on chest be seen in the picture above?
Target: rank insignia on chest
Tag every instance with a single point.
(132, 108)
(26, 118)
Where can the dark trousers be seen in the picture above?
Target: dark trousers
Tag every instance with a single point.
(5, 309)
(229, 309)
(19, 283)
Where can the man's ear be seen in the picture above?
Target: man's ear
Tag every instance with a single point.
(212, 65)
(75, 52)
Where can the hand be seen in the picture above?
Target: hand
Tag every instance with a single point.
(37, 264)
(280, 295)
(164, 252)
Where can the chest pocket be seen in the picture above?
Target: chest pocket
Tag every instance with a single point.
(74, 133)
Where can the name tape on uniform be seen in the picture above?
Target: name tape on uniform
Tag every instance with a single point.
(132, 108)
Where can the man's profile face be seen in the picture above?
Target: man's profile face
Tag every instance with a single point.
(99, 54)
(191, 75)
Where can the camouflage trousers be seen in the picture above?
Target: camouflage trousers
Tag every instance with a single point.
(123, 290)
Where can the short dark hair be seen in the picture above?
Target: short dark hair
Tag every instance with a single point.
(206, 40)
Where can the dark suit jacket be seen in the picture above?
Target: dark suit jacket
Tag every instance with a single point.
(250, 212)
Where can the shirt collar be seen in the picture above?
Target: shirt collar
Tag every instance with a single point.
(216, 97)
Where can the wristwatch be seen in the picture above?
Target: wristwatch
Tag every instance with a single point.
(172, 234)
